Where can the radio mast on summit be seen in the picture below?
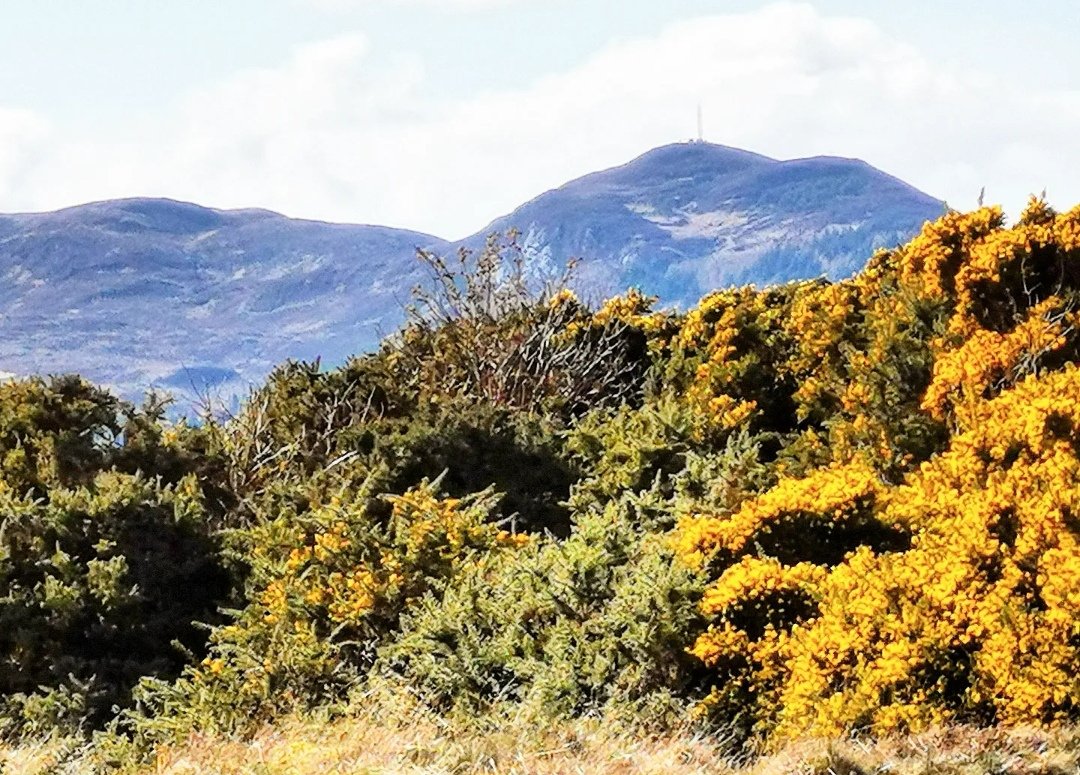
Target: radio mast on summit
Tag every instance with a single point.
(700, 125)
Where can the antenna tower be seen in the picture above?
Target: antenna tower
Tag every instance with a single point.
(700, 125)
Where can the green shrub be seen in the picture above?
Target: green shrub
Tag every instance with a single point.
(562, 628)
(471, 447)
(54, 433)
(596, 622)
(103, 584)
(326, 586)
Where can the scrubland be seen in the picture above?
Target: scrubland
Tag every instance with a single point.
(820, 527)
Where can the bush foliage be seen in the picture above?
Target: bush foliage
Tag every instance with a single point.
(802, 509)
(107, 555)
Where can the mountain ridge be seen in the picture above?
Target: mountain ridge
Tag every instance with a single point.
(146, 291)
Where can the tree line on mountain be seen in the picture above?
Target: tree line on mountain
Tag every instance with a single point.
(797, 510)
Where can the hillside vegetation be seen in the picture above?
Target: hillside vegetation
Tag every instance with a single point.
(786, 514)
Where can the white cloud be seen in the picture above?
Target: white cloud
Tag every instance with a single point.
(23, 138)
(328, 134)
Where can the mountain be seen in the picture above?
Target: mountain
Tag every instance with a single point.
(140, 292)
(684, 219)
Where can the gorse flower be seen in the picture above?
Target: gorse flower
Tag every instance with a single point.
(879, 590)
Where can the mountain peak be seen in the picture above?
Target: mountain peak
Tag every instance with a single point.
(678, 161)
(132, 215)
(700, 151)
(685, 218)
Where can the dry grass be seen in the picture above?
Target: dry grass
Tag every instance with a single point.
(370, 745)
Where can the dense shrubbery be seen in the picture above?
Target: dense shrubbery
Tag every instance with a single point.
(107, 556)
(925, 570)
(800, 509)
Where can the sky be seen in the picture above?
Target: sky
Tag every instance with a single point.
(440, 115)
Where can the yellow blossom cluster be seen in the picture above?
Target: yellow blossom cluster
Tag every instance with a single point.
(951, 591)
(977, 620)
(427, 524)
(724, 346)
(752, 608)
(930, 261)
(988, 359)
(346, 572)
(754, 579)
(818, 323)
(633, 309)
(353, 595)
(564, 297)
(828, 497)
(1011, 295)
(727, 412)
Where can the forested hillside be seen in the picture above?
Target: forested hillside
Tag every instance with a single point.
(791, 512)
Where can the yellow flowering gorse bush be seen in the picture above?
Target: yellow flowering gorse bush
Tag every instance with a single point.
(913, 578)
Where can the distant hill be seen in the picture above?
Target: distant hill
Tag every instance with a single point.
(150, 291)
(143, 291)
(685, 219)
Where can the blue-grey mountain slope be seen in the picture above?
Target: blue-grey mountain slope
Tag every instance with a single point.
(685, 219)
(145, 292)
(142, 292)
